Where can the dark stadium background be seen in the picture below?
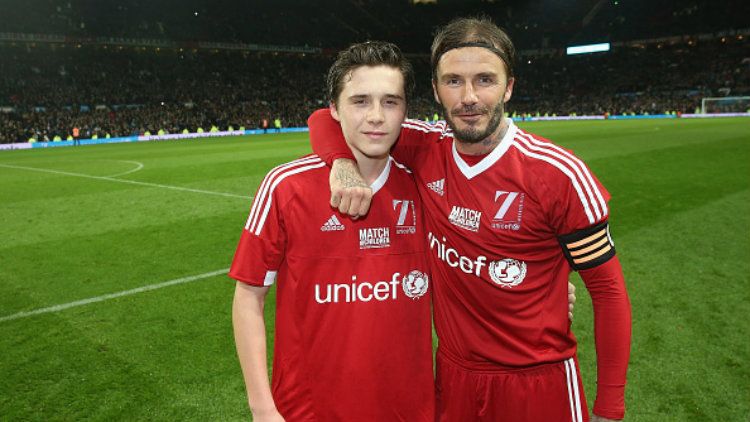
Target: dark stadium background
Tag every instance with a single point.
(138, 66)
(114, 299)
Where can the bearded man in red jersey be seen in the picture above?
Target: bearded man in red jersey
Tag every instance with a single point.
(508, 216)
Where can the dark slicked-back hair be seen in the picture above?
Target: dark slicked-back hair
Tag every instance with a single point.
(473, 32)
(370, 53)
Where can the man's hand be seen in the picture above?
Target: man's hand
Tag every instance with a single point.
(595, 418)
(349, 192)
(571, 300)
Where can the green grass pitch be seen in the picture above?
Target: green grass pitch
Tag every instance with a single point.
(73, 228)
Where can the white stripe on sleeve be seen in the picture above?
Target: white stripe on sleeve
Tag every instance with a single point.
(565, 160)
(566, 171)
(270, 278)
(581, 170)
(269, 199)
(263, 191)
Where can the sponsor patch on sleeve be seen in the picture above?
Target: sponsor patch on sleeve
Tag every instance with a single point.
(589, 247)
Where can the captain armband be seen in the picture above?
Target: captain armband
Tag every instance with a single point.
(589, 247)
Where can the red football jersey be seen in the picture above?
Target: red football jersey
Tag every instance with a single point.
(502, 233)
(493, 228)
(353, 334)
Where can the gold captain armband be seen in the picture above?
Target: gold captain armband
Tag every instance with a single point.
(589, 247)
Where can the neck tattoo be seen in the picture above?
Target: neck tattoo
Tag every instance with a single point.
(493, 140)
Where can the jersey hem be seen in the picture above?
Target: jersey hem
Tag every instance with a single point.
(498, 368)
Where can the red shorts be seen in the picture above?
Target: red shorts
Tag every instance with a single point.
(545, 393)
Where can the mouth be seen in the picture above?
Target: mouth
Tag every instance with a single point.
(469, 117)
(375, 134)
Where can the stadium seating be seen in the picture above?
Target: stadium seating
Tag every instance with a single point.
(534, 24)
(47, 88)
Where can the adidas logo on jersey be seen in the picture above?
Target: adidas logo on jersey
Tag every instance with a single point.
(437, 186)
(333, 224)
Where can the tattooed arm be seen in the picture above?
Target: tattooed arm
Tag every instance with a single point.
(349, 192)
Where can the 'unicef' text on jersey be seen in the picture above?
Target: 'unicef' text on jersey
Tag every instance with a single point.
(414, 285)
(504, 272)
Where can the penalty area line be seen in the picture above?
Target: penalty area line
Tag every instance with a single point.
(132, 182)
(138, 167)
(64, 306)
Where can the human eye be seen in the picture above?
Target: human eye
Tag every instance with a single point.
(392, 102)
(486, 80)
(452, 81)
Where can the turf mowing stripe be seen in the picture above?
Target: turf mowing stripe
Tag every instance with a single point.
(58, 308)
(132, 182)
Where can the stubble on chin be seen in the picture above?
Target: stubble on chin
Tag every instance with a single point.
(487, 137)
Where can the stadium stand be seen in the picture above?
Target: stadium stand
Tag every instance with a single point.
(115, 69)
(337, 23)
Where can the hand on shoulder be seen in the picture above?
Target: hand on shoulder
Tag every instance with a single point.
(349, 192)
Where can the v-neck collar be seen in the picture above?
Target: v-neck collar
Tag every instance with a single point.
(491, 158)
(382, 178)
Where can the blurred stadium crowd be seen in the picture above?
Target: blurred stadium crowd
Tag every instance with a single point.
(47, 88)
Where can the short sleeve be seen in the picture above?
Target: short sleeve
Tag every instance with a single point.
(261, 247)
(579, 200)
(579, 214)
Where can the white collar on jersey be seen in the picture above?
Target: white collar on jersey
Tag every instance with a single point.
(490, 159)
(380, 181)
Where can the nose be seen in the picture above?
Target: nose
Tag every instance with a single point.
(469, 95)
(375, 114)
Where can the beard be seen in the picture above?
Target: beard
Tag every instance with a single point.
(472, 135)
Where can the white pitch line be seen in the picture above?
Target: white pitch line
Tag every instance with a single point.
(64, 306)
(132, 182)
(138, 164)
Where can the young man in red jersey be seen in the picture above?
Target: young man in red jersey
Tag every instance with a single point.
(508, 216)
(353, 334)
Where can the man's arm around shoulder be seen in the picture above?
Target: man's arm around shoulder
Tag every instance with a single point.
(349, 192)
